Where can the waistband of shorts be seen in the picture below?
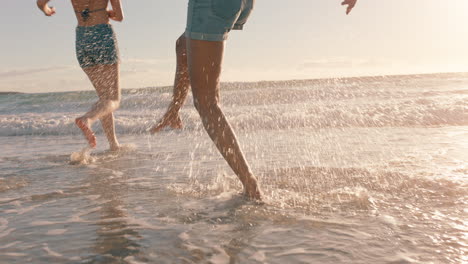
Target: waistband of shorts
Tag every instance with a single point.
(94, 27)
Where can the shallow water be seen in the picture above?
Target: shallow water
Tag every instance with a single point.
(353, 171)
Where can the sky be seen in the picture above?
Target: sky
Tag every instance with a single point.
(297, 39)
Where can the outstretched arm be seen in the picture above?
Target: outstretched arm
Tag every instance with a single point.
(350, 4)
(116, 13)
(44, 7)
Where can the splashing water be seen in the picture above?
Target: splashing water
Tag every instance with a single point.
(358, 170)
(82, 157)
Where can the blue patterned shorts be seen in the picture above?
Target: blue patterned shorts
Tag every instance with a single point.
(96, 45)
(212, 20)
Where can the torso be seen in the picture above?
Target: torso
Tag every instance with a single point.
(99, 17)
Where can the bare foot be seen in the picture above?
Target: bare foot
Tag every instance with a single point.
(87, 132)
(171, 120)
(115, 147)
(251, 190)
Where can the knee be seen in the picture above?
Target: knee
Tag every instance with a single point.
(117, 103)
(113, 97)
(114, 104)
(204, 107)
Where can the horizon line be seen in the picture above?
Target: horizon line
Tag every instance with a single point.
(266, 81)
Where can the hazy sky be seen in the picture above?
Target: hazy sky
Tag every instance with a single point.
(302, 39)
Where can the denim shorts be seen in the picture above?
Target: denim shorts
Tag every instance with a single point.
(212, 20)
(96, 45)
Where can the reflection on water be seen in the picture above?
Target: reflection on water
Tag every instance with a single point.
(369, 170)
(141, 207)
(116, 239)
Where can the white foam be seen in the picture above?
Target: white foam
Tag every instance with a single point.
(184, 236)
(293, 251)
(51, 252)
(9, 245)
(42, 223)
(82, 157)
(22, 210)
(55, 232)
(5, 200)
(14, 254)
(220, 256)
(259, 256)
(77, 217)
(93, 197)
(131, 260)
(283, 105)
(387, 219)
(127, 147)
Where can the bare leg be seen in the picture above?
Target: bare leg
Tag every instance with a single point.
(105, 79)
(181, 87)
(109, 129)
(204, 63)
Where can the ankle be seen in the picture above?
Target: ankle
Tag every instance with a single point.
(249, 181)
(114, 146)
(85, 119)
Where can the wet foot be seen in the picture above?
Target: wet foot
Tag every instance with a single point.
(87, 132)
(171, 121)
(251, 190)
(177, 123)
(115, 147)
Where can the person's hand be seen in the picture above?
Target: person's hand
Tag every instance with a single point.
(115, 15)
(44, 7)
(112, 15)
(49, 11)
(350, 4)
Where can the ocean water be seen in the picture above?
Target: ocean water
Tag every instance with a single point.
(355, 170)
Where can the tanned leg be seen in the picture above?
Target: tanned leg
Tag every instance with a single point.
(105, 79)
(204, 64)
(181, 87)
